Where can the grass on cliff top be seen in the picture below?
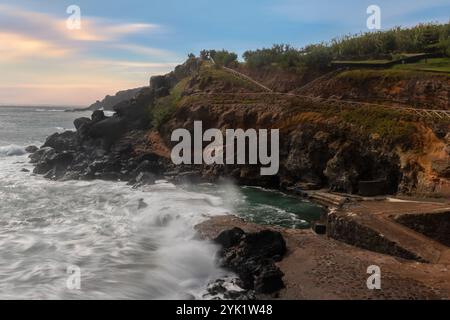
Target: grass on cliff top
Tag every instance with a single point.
(368, 74)
(166, 106)
(210, 74)
(430, 65)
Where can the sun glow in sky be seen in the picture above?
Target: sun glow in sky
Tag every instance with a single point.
(122, 43)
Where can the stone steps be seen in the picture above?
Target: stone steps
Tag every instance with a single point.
(371, 225)
(327, 199)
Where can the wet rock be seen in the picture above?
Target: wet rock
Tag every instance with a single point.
(108, 130)
(80, 122)
(70, 175)
(62, 141)
(269, 279)
(228, 289)
(230, 238)
(145, 178)
(188, 177)
(41, 154)
(98, 115)
(31, 149)
(142, 204)
(51, 160)
(252, 257)
(24, 170)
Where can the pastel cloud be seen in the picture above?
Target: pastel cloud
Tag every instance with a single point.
(15, 45)
(44, 62)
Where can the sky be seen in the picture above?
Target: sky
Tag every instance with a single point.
(120, 44)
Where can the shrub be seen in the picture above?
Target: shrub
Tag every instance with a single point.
(223, 57)
(164, 107)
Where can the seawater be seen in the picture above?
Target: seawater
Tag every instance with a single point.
(128, 244)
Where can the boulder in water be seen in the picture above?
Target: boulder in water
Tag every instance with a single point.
(252, 257)
(230, 238)
(31, 149)
(62, 141)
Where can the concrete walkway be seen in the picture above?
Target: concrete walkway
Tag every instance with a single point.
(379, 216)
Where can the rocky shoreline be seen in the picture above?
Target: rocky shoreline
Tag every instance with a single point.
(318, 150)
(315, 267)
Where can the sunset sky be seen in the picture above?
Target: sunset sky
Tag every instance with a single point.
(122, 43)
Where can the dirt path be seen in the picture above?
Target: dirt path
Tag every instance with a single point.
(423, 113)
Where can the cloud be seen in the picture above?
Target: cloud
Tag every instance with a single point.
(48, 26)
(42, 61)
(50, 36)
(13, 46)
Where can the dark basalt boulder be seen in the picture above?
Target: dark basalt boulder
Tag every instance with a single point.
(41, 154)
(98, 115)
(62, 141)
(265, 244)
(56, 163)
(145, 178)
(108, 130)
(31, 149)
(252, 257)
(79, 122)
(230, 238)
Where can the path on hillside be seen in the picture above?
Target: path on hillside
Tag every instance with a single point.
(423, 113)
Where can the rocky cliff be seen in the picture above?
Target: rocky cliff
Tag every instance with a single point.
(415, 89)
(322, 145)
(110, 101)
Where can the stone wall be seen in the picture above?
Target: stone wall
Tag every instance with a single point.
(346, 229)
(434, 225)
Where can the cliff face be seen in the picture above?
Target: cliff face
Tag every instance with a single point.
(318, 151)
(418, 89)
(355, 150)
(110, 101)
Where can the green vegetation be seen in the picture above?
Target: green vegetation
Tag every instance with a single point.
(166, 106)
(372, 46)
(361, 75)
(221, 58)
(287, 57)
(433, 65)
(395, 125)
(387, 44)
(388, 123)
(209, 74)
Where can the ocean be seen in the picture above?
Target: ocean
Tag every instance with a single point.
(126, 243)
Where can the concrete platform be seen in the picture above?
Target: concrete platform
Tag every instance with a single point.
(373, 225)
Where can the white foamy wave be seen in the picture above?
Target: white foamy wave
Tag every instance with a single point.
(49, 110)
(129, 244)
(64, 129)
(109, 113)
(12, 150)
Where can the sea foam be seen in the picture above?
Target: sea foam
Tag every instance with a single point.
(12, 150)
